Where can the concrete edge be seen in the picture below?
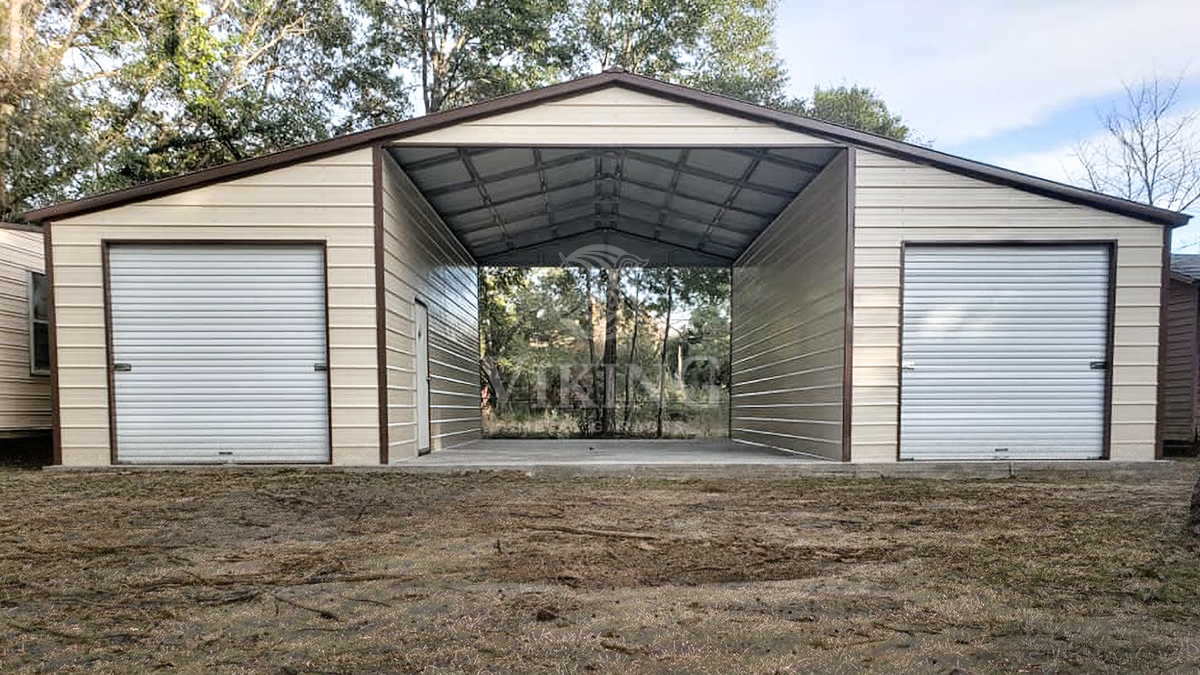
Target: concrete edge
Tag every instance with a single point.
(916, 470)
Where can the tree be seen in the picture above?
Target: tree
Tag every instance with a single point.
(1150, 151)
(856, 107)
(463, 52)
(737, 54)
(203, 83)
(100, 95)
(41, 117)
(725, 46)
(608, 359)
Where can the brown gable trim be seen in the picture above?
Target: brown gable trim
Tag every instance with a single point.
(916, 153)
(22, 227)
(319, 149)
(639, 83)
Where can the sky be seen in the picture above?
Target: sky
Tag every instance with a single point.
(1016, 83)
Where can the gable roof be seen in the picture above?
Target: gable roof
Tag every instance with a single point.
(1186, 265)
(614, 78)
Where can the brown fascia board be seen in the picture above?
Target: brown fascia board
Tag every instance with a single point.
(22, 227)
(715, 102)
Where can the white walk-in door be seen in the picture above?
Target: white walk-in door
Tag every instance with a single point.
(1004, 352)
(218, 353)
(421, 319)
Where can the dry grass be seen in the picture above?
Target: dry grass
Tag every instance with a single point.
(292, 571)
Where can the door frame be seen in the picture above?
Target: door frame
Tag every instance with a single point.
(105, 246)
(1111, 247)
(417, 381)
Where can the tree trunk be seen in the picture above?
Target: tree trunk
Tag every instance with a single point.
(591, 328)
(13, 67)
(426, 49)
(637, 300)
(611, 305)
(662, 361)
(679, 365)
(6, 115)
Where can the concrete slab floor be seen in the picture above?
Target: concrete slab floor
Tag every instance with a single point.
(682, 459)
(521, 453)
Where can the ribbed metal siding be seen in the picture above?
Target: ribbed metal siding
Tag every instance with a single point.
(998, 351)
(1180, 370)
(221, 343)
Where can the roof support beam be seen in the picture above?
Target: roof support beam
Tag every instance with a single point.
(733, 194)
(483, 193)
(599, 225)
(775, 158)
(705, 173)
(465, 157)
(454, 213)
(487, 258)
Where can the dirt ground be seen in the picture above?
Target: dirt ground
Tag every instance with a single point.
(285, 571)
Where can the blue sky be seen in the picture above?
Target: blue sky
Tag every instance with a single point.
(1016, 83)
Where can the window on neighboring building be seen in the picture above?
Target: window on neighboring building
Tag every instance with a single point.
(39, 324)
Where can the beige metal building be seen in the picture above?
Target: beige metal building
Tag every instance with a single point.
(24, 332)
(890, 302)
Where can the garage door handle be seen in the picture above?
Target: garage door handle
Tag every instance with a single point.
(320, 367)
(908, 365)
(1098, 365)
(122, 367)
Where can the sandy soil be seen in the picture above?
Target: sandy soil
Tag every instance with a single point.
(283, 571)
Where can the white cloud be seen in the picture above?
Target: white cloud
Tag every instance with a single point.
(959, 71)
(1058, 163)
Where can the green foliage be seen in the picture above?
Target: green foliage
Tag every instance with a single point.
(541, 330)
(102, 95)
(206, 83)
(462, 52)
(855, 107)
(724, 46)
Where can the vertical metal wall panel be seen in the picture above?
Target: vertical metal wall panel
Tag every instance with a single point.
(1004, 352)
(423, 261)
(1180, 376)
(788, 324)
(219, 353)
(24, 397)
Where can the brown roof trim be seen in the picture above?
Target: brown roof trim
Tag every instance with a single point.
(22, 227)
(640, 83)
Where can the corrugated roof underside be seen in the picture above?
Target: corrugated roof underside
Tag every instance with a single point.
(667, 206)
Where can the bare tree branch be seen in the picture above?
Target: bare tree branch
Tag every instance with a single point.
(1151, 149)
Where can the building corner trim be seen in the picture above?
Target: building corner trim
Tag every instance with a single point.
(380, 300)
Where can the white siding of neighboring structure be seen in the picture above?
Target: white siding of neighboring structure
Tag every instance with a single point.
(328, 200)
(614, 116)
(423, 261)
(789, 324)
(24, 398)
(899, 200)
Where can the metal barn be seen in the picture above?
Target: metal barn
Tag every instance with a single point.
(890, 302)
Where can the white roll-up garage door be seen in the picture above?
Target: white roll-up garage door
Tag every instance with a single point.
(1004, 352)
(218, 353)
